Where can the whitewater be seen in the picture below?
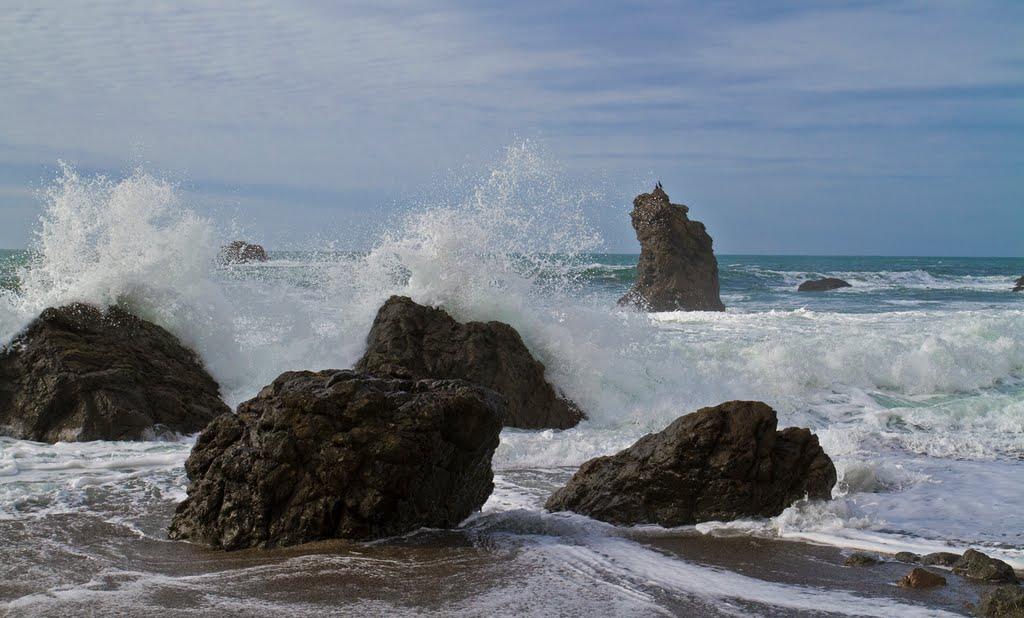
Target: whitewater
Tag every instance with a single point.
(913, 379)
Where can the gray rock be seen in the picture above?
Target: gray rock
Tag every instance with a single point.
(337, 454)
(859, 559)
(940, 558)
(719, 463)
(409, 340)
(1002, 602)
(906, 556)
(822, 285)
(241, 252)
(79, 374)
(677, 269)
(977, 566)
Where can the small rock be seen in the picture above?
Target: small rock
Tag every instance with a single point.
(940, 558)
(822, 285)
(860, 559)
(922, 578)
(1019, 285)
(1002, 602)
(906, 556)
(976, 565)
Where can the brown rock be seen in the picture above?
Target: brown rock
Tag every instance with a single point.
(922, 578)
(859, 559)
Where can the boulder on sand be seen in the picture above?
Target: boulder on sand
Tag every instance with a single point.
(241, 252)
(719, 463)
(337, 454)
(978, 566)
(677, 269)
(921, 578)
(409, 340)
(822, 285)
(79, 374)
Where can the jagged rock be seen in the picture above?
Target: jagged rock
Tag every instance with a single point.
(718, 463)
(409, 340)
(906, 556)
(337, 454)
(921, 578)
(822, 285)
(1002, 602)
(79, 374)
(241, 252)
(1019, 285)
(940, 558)
(859, 559)
(677, 269)
(976, 565)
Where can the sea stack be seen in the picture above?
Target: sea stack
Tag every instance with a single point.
(677, 270)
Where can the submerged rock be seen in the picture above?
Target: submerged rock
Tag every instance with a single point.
(677, 269)
(822, 285)
(1002, 602)
(337, 454)
(1019, 285)
(79, 374)
(719, 463)
(940, 558)
(921, 578)
(409, 340)
(860, 559)
(976, 565)
(241, 252)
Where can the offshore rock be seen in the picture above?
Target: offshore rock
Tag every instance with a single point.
(719, 463)
(241, 252)
(337, 454)
(977, 566)
(822, 285)
(1019, 285)
(677, 269)
(409, 340)
(79, 374)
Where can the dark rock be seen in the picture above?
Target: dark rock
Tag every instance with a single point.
(940, 558)
(858, 559)
(976, 565)
(906, 556)
(79, 374)
(1002, 602)
(409, 340)
(718, 463)
(822, 285)
(922, 578)
(677, 269)
(1019, 285)
(337, 454)
(241, 252)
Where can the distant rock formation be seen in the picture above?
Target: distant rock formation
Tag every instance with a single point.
(719, 463)
(241, 252)
(337, 454)
(677, 269)
(79, 374)
(822, 285)
(1019, 285)
(409, 340)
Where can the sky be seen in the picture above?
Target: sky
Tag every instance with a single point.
(842, 127)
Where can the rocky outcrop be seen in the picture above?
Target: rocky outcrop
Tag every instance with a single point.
(921, 578)
(977, 566)
(822, 285)
(719, 463)
(337, 454)
(409, 340)
(78, 374)
(677, 269)
(1002, 602)
(1019, 285)
(241, 252)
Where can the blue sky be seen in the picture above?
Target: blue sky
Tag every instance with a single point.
(837, 127)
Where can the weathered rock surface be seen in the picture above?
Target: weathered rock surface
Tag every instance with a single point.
(977, 566)
(1019, 285)
(409, 340)
(79, 374)
(718, 463)
(859, 559)
(822, 285)
(921, 578)
(241, 252)
(1002, 602)
(677, 269)
(940, 558)
(337, 454)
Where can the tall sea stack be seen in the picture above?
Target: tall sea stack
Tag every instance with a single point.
(677, 270)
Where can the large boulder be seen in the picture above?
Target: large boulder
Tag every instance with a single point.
(241, 252)
(978, 566)
(822, 285)
(409, 340)
(78, 374)
(1002, 602)
(677, 269)
(337, 454)
(719, 463)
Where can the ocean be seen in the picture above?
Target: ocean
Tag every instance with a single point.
(913, 379)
